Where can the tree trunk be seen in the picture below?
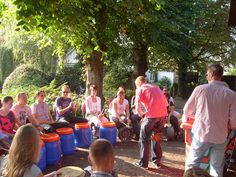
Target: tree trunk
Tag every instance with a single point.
(95, 73)
(140, 62)
(182, 71)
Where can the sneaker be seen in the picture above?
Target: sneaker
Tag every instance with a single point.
(158, 165)
(137, 164)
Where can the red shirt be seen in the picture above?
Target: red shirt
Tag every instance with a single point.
(153, 100)
(7, 123)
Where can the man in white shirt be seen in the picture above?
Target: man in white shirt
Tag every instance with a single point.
(213, 106)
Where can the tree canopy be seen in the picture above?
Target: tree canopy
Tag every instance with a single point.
(175, 35)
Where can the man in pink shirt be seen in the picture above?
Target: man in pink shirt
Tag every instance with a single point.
(214, 106)
(155, 105)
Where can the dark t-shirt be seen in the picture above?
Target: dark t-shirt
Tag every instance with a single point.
(7, 123)
(63, 103)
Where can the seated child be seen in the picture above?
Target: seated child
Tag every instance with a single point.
(101, 157)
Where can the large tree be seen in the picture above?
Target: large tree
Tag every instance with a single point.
(195, 35)
(85, 25)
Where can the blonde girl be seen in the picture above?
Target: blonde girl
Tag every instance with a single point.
(24, 154)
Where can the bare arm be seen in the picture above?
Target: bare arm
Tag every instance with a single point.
(127, 111)
(138, 109)
(62, 111)
(116, 111)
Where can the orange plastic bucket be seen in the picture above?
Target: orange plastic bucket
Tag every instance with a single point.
(64, 131)
(50, 137)
(82, 125)
(108, 124)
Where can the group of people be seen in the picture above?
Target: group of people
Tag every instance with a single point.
(14, 118)
(24, 154)
(213, 106)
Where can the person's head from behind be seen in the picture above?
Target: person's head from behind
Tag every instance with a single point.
(24, 151)
(196, 172)
(65, 90)
(22, 98)
(140, 80)
(214, 72)
(93, 90)
(40, 95)
(7, 102)
(101, 155)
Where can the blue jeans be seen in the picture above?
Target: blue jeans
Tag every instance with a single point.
(135, 119)
(217, 155)
(147, 126)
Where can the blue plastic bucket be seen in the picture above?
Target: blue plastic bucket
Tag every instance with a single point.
(67, 140)
(108, 131)
(83, 135)
(42, 160)
(53, 148)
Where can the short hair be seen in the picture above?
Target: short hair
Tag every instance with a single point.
(121, 88)
(39, 92)
(93, 87)
(196, 172)
(20, 95)
(141, 78)
(101, 153)
(216, 69)
(65, 87)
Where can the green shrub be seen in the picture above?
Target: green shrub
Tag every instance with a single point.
(26, 75)
(7, 63)
(72, 75)
(164, 82)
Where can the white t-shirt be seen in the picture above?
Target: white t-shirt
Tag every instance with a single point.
(21, 113)
(34, 171)
(121, 108)
(41, 110)
(93, 106)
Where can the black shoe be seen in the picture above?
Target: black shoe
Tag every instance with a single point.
(136, 138)
(137, 164)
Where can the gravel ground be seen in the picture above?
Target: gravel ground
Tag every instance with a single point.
(128, 153)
